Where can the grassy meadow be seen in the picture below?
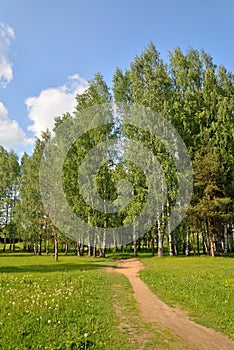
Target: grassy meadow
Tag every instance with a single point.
(51, 306)
(81, 303)
(75, 303)
(203, 286)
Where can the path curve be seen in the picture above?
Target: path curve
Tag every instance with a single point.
(154, 310)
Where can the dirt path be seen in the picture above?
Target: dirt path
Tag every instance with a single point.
(154, 310)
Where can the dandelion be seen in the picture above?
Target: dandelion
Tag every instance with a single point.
(49, 321)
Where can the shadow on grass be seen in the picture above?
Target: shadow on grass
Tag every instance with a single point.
(59, 267)
(56, 268)
(120, 256)
(82, 265)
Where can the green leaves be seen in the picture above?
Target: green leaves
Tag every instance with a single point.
(189, 91)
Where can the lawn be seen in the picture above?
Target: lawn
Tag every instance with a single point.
(55, 306)
(81, 303)
(74, 303)
(203, 286)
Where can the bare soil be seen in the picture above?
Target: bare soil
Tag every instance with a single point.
(154, 310)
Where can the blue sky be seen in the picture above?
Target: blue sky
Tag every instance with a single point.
(49, 49)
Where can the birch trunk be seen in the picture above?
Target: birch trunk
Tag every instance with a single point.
(160, 239)
(55, 246)
(211, 238)
(232, 237)
(134, 240)
(187, 248)
(225, 239)
(170, 240)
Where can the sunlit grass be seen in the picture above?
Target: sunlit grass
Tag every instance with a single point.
(76, 304)
(64, 305)
(203, 286)
(72, 304)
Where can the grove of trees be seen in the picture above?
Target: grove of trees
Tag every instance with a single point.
(191, 92)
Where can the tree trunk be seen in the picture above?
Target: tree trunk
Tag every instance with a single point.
(55, 247)
(175, 243)
(13, 243)
(95, 246)
(135, 248)
(82, 247)
(212, 247)
(89, 242)
(211, 238)
(89, 250)
(187, 249)
(194, 245)
(170, 244)
(134, 240)
(183, 241)
(35, 248)
(94, 250)
(4, 243)
(225, 239)
(139, 244)
(204, 240)
(170, 241)
(231, 232)
(40, 246)
(160, 240)
(66, 249)
(102, 252)
(198, 244)
(152, 246)
(47, 246)
(78, 248)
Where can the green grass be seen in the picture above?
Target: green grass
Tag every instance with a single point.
(55, 306)
(203, 286)
(72, 304)
(76, 304)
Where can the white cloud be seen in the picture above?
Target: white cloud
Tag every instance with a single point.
(11, 134)
(53, 102)
(6, 36)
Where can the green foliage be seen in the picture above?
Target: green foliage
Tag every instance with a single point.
(9, 187)
(197, 97)
(33, 222)
(190, 91)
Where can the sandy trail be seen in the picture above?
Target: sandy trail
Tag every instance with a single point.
(154, 310)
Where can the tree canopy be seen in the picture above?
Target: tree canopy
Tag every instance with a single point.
(191, 93)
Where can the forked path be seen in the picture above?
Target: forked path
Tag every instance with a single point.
(154, 310)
